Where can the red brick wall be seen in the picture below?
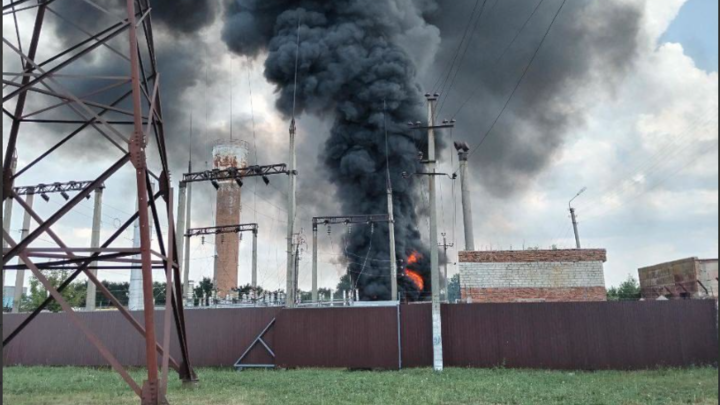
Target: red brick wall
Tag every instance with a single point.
(507, 295)
(228, 245)
(534, 256)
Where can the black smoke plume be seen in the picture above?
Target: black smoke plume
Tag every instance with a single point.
(586, 55)
(350, 68)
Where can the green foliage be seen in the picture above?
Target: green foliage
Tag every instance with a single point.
(204, 289)
(121, 291)
(628, 291)
(72, 386)
(74, 294)
(345, 284)
(454, 289)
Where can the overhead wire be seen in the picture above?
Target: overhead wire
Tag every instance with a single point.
(447, 91)
(520, 81)
(448, 69)
(499, 59)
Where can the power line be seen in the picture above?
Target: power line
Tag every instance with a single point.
(517, 86)
(447, 92)
(500, 58)
(448, 69)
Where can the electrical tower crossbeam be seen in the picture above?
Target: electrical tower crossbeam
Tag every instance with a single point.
(219, 230)
(236, 173)
(53, 188)
(350, 219)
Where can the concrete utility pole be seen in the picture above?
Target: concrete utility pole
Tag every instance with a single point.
(255, 262)
(463, 151)
(136, 300)
(391, 213)
(292, 201)
(180, 232)
(393, 253)
(445, 245)
(315, 266)
(94, 243)
(434, 253)
(573, 215)
(20, 274)
(7, 215)
(188, 224)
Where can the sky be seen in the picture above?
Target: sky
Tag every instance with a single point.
(646, 149)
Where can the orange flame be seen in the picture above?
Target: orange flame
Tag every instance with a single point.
(414, 276)
(414, 258)
(416, 279)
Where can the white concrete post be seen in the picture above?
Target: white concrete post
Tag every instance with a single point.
(434, 247)
(315, 266)
(20, 274)
(94, 243)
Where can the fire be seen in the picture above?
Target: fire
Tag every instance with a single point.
(414, 258)
(416, 278)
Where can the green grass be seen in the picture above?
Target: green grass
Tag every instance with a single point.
(66, 386)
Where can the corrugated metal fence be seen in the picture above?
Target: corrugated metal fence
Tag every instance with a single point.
(577, 336)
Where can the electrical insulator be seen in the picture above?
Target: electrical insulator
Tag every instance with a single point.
(329, 230)
(349, 227)
(203, 240)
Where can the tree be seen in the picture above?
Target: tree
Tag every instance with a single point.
(345, 284)
(74, 293)
(121, 291)
(454, 294)
(627, 291)
(204, 289)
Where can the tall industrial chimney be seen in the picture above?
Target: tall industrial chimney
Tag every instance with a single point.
(228, 154)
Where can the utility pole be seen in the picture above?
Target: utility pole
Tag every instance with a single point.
(180, 232)
(434, 253)
(431, 171)
(291, 271)
(188, 224)
(463, 152)
(393, 253)
(255, 262)
(136, 299)
(445, 245)
(391, 215)
(573, 215)
(94, 243)
(20, 274)
(315, 265)
(7, 215)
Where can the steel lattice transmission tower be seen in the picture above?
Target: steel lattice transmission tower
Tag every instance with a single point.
(126, 112)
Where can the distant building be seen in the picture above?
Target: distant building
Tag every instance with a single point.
(533, 276)
(687, 278)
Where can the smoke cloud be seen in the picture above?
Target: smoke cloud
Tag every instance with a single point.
(591, 48)
(350, 65)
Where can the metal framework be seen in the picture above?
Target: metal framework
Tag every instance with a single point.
(219, 230)
(344, 220)
(55, 188)
(235, 174)
(350, 219)
(129, 122)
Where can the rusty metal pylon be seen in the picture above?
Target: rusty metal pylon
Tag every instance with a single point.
(139, 108)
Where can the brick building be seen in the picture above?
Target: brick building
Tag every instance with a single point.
(687, 278)
(533, 276)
